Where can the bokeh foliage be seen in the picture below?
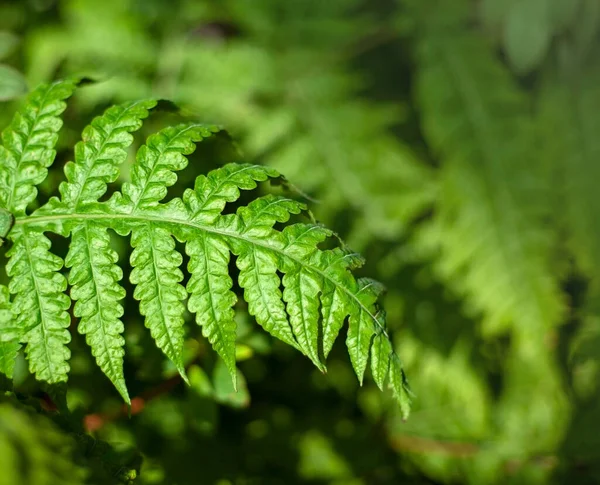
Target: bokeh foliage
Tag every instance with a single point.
(454, 142)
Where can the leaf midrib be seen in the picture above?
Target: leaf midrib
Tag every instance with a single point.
(161, 220)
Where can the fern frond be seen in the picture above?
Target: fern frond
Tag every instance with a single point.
(300, 292)
(302, 305)
(319, 291)
(490, 218)
(209, 286)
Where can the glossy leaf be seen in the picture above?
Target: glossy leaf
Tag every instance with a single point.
(297, 291)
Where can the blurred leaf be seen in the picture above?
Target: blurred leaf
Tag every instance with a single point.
(8, 43)
(494, 13)
(34, 451)
(199, 382)
(166, 416)
(12, 83)
(563, 13)
(571, 107)
(201, 407)
(527, 34)
(243, 352)
(319, 460)
(223, 387)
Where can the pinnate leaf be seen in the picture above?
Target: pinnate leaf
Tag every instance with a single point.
(296, 291)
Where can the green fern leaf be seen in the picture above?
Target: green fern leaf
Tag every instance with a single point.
(212, 192)
(261, 291)
(302, 288)
(209, 287)
(319, 291)
(258, 272)
(26, 154)
(301, 296)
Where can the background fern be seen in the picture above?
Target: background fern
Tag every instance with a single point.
(451, 142)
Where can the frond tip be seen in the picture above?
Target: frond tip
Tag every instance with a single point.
(298, 292)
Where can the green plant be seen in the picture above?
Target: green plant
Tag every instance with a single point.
(319, 292)
(454, 142)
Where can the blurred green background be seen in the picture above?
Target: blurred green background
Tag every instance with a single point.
(455, 143)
